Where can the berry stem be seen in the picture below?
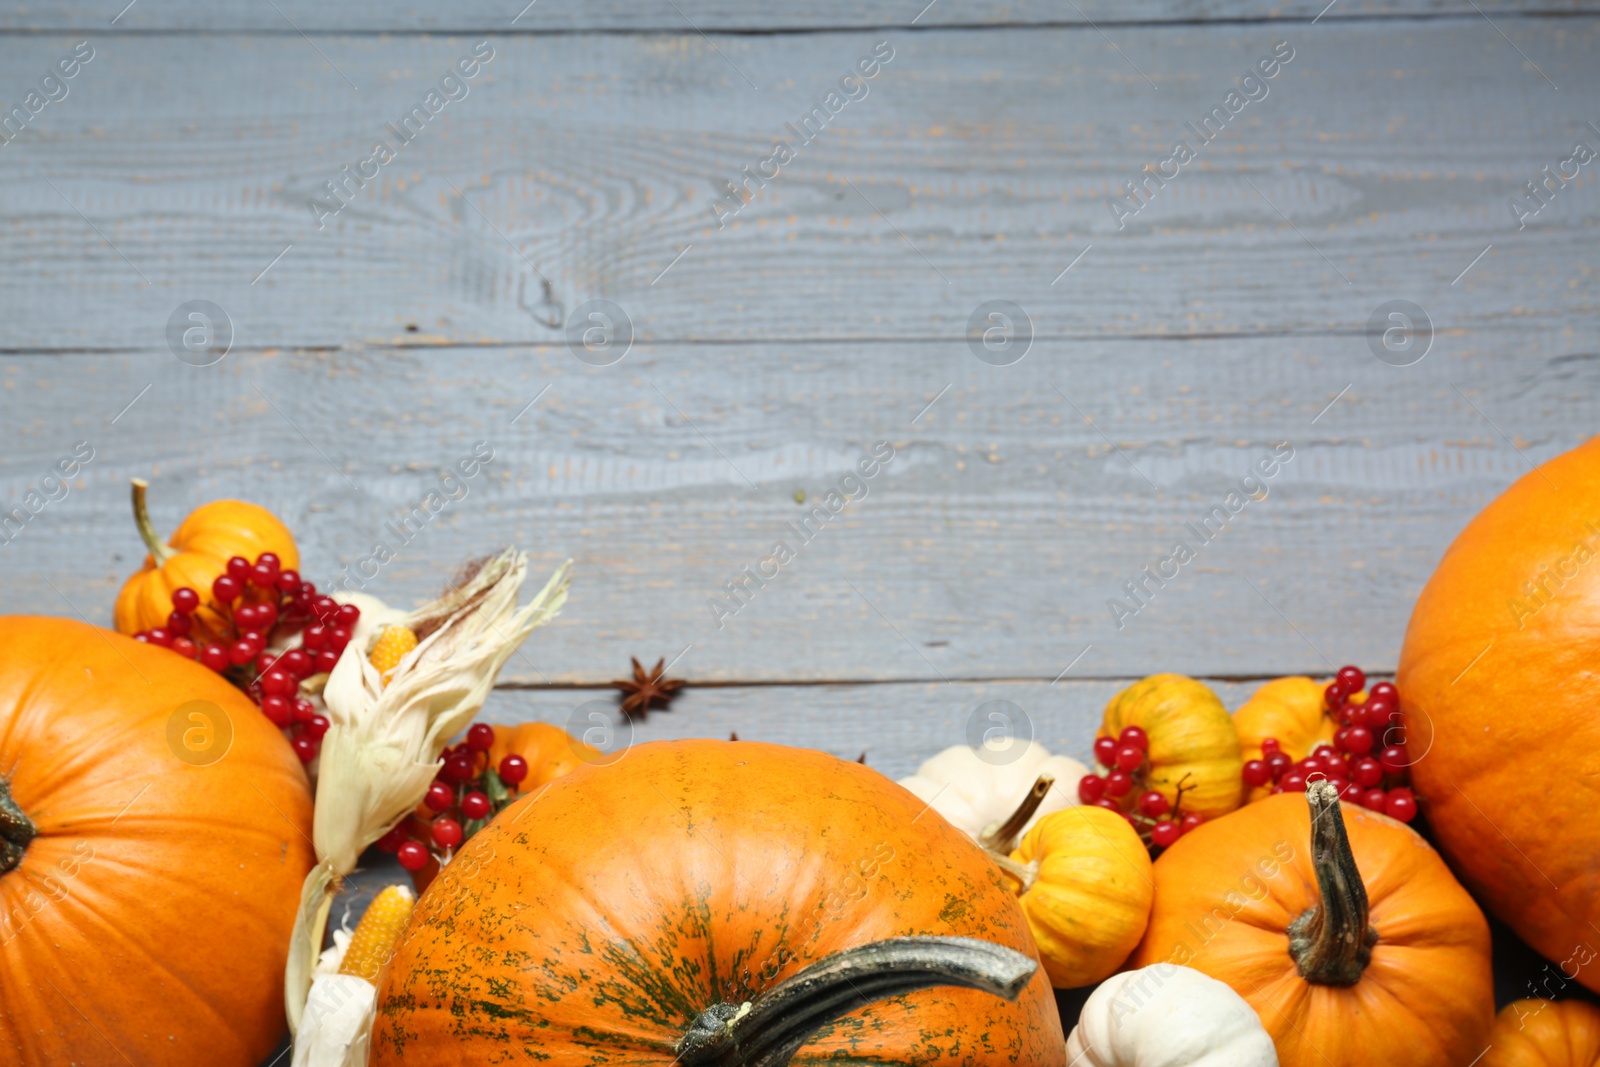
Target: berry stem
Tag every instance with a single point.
(1331, 942)
(160, 551)
(1184, 786)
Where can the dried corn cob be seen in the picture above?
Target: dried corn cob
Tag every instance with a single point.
(377, 932)
(390, 648)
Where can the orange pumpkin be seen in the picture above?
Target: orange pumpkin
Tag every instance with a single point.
(195, 556)
(1292, 710)
(1545, 1033)
(1498, 673)
(614, 916)
(1193, 744)
(156, 830)
(1361, 948)
(551, 752)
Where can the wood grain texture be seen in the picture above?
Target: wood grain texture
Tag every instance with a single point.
(710, 16)
(979, 166)
(988, 548)
(897, 726)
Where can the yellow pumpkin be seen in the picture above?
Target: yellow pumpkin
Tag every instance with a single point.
(1545, 1033)
(1193, 743)
(1087, 892)
(1290, 709)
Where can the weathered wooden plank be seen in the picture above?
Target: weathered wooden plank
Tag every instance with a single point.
(712, 16)
(897, 725)
(978, 166)
(989, 547)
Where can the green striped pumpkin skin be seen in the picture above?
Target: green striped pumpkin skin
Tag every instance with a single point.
(592, 922)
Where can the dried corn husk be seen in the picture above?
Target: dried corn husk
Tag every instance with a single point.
(382, 748)
(336, 1026)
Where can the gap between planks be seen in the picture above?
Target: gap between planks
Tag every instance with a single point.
(811, 31)
(815, 683)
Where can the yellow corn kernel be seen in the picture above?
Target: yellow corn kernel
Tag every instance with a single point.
(377, 932)
(390, 648)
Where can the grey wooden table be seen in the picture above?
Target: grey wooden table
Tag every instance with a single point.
(376, 314)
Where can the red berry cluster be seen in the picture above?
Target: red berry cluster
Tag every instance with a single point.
(466, 793)
(1159, 821)
(254, 601)
(1349, 763)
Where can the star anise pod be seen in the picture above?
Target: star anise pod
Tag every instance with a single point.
(645, 688)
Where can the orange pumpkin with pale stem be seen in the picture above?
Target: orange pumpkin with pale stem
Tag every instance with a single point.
(1498, 672)
(1192, 741)
(653, 909)
(195, 556)
(1545, 1033)
(551, 752)
(1346, 932)
(146, 899)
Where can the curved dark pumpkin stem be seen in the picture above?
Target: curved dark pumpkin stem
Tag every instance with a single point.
(16, 829)
(768, 1031)
(160, 551)
(1331, 943)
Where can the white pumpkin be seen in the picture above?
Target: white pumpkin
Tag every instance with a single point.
(977, 792)
(1168, 1016)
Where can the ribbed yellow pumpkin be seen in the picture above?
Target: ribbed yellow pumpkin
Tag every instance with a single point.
(1087, 893)
(1192, 741)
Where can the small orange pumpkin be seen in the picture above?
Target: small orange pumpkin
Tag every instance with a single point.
(551, 752)
(1294, 711)
(1545, 1033)
(1361, 949)
(633, 910)
(195, 556)
(154, 832)
(1192, 741)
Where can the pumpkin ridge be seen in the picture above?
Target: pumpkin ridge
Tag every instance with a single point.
(110, 928)
(175, 904)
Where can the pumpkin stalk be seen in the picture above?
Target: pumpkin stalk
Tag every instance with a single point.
(769, 1030)
(1003, 838)
(1000, 840)
(1331, 942)
(16, 829)
(160, 551)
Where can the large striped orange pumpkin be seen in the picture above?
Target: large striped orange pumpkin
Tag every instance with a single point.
(1500, 687)
(631, 909)
(154, 832)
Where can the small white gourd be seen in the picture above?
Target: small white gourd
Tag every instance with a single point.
(978, 791)
(1168, 1016)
